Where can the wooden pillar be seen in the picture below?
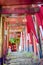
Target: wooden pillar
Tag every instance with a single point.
(7, 35)
(1, 39)
(38, 33)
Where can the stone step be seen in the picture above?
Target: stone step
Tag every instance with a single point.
(20, 63)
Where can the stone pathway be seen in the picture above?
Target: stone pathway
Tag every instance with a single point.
(41, 62)
(20, 58)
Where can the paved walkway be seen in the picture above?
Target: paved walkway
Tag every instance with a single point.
(41, 62)
(20, 58)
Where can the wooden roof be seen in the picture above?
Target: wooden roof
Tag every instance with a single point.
(19, 2)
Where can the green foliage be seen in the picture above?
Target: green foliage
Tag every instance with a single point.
(14, 40)
(28, 54)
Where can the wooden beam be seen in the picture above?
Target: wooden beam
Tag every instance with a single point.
(20, 10)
